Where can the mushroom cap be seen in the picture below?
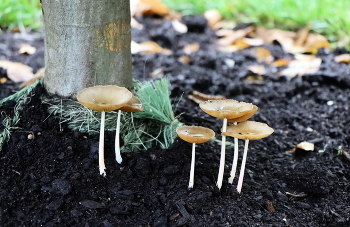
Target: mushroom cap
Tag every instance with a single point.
(246, 116)
(195, 134)
(104, 98)
(227, 108)
(134, 105)
(248, 130)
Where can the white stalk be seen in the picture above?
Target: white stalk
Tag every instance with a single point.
(118, 156)
(193, 161)
(101, 157)
(241, 174)
(234, 162)
(222, 157)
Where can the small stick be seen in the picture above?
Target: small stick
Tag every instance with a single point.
(241, 174)
(190, 185)
(101, 158)
(118, 156)
(296, 195)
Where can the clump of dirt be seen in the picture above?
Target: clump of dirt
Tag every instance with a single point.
(53, 179)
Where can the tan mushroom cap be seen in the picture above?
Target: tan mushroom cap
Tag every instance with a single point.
(195, 134)
(104, 98)
(134, 105)
(246, 116)
(248, 130)
(228, 108)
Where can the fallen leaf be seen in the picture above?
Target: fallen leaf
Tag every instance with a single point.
(148, 47)
(281, 62)
(135, 24)
(263, 55)
(148, 8)
(38, 75)
(157, 74)
(257, 69)
(343, 58)
(26, 49)
(191, 48)
(3, 80)
(302, 36)
(305, 57)
(254, 79)
(185, 60)
(285, 38)
(199, 97)
(233, 36)
(179, 27)
(301, 67)
(315, 42)
(224, 24)
(213, 16)
(253, 41)
(16, 71)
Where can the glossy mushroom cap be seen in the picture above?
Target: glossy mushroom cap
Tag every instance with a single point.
(228, 108)
(134, 105)
(104, 98)
(246, 116)
(248, 130)
(195, 134)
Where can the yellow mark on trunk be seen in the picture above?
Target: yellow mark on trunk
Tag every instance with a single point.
(115, 36)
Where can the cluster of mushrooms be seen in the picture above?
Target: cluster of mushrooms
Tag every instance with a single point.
(229, 111)
(105, 99)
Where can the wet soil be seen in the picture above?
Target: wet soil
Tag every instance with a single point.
(53, 179)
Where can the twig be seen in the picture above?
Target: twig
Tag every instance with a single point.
(297, 195)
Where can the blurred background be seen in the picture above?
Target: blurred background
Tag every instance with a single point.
(327, 17)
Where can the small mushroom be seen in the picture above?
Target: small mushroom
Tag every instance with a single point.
(103, 99)
(225, 109)
(235, 155)
(134, 105)
(248, 130)
(194, 134)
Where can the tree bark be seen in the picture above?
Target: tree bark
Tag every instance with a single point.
(87, 43)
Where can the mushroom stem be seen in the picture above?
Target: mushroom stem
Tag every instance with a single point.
(222, 157)
(118, 156)
(101, 158)
(234, 162)
(241, 174)
(193, 161)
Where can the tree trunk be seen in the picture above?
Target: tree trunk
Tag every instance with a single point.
(87, 43)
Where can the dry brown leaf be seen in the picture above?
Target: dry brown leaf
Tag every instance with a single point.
(148, 8)
(302, 36)
(199, 97)
(224, 24)
(157, 74)
(285, 38)
(38, 75)
(148, 47)
(233, 36)
(315, 42)
(26, 49)
(185, 60)
(281, 62)
(253, 41)
(257, 69)
(343, 58)
(16, 71)
(179, 27)
(191, 48)
(254, 79)
(3, 80)
(263, 55)
(213, 16)
(301, 67)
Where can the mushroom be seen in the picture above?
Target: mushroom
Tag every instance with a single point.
(194, 134)
(225, 109)
(134, 105)
(235, 155)
(248, 130)
(103, 99)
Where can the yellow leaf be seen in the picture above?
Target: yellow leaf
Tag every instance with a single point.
(281, 62)
(263, 55)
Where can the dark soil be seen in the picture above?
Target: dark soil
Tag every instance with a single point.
(53, 179)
